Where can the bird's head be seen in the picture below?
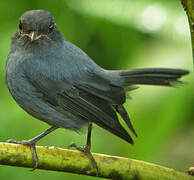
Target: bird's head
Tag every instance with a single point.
(36, 24)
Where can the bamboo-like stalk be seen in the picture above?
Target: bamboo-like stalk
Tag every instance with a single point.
(111, 167)
(188, 6)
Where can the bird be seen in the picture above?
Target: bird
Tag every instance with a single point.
(56, 82)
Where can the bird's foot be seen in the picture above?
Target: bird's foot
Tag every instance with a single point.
(32, 147)
(86, 149)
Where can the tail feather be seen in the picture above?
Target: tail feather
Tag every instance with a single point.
(121, 110)
(118, 131)
(152, 76)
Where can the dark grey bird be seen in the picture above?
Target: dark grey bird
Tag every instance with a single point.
(56, 82)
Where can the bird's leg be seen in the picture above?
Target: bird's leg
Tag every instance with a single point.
(87, 147)
(32, 142)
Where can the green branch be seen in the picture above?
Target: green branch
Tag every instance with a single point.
(111, 167)
(188, 6)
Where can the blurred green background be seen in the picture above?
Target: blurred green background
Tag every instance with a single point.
(116, 34)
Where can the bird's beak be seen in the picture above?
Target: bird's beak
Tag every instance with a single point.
(33, 36)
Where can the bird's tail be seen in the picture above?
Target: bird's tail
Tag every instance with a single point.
(151, 76)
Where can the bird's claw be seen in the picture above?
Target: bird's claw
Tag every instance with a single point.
(73, 145)
(12, 141)
(86, 149)
(32, 147)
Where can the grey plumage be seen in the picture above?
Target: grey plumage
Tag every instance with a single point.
(56, 82)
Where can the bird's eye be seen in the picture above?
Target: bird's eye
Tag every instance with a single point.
(20, 25)
(51, 27)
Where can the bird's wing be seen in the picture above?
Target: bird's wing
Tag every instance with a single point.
(82, 104)
(88, 75)
(103, 88)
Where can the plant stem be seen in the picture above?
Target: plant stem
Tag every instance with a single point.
(188, 6)
(111, 167)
